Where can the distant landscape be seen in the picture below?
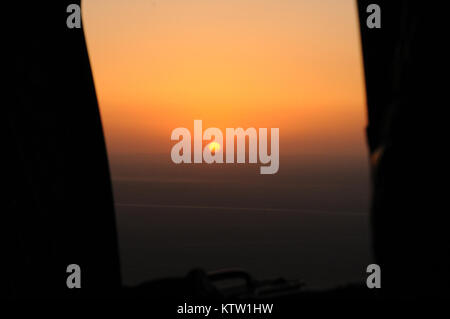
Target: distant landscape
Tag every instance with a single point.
(309, 221)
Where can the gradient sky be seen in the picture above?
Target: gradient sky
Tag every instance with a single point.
(290, 64)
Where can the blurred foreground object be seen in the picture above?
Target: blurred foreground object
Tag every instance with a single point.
(403, 62)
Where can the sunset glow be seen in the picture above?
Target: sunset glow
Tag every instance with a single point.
(214, 147)
(290, 64)
(238, 124)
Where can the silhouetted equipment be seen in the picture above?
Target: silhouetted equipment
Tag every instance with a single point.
(223, 284)
(237, 283)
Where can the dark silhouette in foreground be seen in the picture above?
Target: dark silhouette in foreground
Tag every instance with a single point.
(59, 199)
(405, 97)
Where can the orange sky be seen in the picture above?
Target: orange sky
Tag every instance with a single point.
(290, 64)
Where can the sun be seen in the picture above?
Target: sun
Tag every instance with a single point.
(214, 147)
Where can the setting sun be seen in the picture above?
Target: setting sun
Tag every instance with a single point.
(214, 147)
